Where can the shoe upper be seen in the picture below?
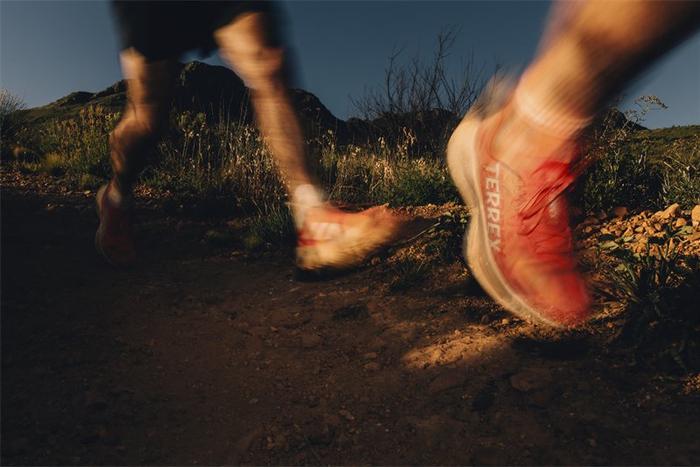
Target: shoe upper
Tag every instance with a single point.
(336, 239)
(527, 222)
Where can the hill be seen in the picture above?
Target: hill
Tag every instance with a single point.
(214, 90)
(219, 93)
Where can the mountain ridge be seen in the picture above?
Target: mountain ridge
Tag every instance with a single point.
(219, 93)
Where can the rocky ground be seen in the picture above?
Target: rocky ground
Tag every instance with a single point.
(212, 354)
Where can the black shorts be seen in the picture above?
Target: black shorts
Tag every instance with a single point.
(167, 29)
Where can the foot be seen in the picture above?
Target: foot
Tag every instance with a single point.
(331, 239)
(114, 238)
(519, 244)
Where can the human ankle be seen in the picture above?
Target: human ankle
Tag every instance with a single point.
(549, 114)
(525, 133)
(303, 198)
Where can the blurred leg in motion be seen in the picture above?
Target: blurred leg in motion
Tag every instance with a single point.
(249, 41)
(149, 91)
(512, 157)
(328, 237)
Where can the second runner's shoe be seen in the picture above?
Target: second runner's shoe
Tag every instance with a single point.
(114, 237)
(334, 240)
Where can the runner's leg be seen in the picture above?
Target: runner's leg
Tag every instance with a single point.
(149, 91)
(593, 48)
(247, 45)
(326, 237)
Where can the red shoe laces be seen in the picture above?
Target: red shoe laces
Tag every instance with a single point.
(544, 186)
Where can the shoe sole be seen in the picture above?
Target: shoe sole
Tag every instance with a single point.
(330, 259)
(464, 170)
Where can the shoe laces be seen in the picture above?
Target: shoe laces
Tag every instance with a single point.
(540, 198)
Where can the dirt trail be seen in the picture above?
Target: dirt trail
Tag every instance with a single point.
(206, 355)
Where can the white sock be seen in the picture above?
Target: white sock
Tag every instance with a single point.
(305, 197)
(547, 118)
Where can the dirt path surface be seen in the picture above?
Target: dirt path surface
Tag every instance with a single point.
(207, 355)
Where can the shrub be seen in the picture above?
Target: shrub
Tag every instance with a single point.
(659, 288)
(408, 273)
(640, 168)
(679, 173)
(80, 145)
(620, 179)
(271, 226)
(9, 106)
(201, 159)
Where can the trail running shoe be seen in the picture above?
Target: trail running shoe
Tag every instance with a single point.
(518, 243)
(334, 240)
(114, 239)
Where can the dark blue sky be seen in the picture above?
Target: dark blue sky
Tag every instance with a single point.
(48, 49)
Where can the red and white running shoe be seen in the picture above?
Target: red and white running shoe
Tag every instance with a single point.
(518, 243)
(114, 239)
(335, 240)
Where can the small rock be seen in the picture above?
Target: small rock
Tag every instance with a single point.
(447, 380)
(370, 356)
(620, 211)
(346, 415)
(372, 366)
(530, 379)
(695, 215)
(669, 212)
(310, 340)
(680, 222)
